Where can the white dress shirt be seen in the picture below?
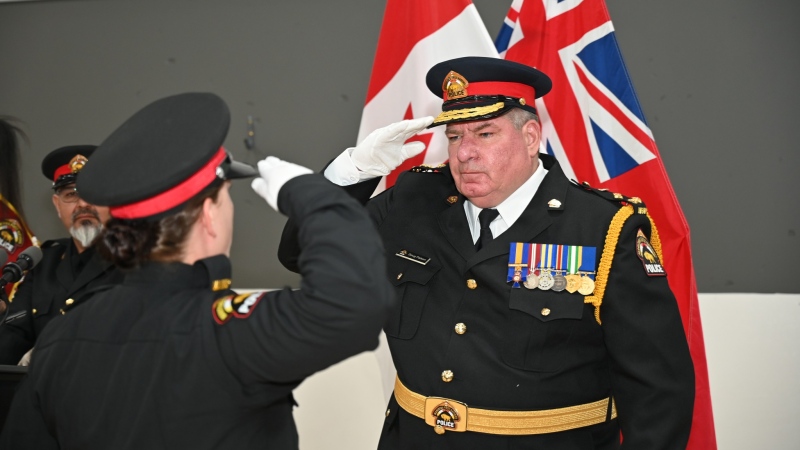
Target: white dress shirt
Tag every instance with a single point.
(343, 172)
(510, 209)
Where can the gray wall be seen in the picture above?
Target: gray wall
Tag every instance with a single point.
(714, 79)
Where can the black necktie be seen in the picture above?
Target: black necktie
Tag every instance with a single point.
(485, 217)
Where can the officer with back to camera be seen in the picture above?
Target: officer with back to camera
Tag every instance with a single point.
(171, 358)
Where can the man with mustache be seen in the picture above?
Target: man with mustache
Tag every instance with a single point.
(70, 267)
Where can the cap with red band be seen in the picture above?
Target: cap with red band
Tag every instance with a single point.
(62, 165)
(173, 196)
(161, 157)
(478, 88)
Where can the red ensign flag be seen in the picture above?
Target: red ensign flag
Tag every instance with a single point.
(593, 124)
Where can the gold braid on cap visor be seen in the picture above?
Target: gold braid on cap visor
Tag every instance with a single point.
(467, 113)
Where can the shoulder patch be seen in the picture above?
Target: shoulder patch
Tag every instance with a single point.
(648, 256)
(426, 168)
(238, 306)
(637, 203)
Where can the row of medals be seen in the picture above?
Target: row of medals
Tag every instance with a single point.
(571, 283)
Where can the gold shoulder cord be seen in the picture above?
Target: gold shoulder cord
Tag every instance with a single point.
(612, 237)
(655, 241)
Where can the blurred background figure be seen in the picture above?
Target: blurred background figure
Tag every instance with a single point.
(15, 236)
(70, 267)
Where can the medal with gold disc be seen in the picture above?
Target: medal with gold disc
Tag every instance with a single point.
(573, 283)
(574, 261)
(587, 285)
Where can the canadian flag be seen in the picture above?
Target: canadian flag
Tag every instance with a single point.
(415, 35)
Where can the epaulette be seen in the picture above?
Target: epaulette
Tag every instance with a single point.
(427, 168)
(637, 203)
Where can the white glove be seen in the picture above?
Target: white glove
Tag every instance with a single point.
(274, 174)
(383, 149)
(26, 359)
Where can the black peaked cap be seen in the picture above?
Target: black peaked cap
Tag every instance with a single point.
(61, 157)
(476, 69)
(158, 149)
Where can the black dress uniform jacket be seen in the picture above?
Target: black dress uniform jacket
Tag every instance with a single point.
(58, 283)
(512, 356)
(160, 361)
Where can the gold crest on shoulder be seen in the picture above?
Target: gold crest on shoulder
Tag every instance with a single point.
(648, 256)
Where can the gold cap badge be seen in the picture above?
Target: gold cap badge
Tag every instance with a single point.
(455, 85)
(77, 162)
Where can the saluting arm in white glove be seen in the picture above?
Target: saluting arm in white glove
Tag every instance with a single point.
(274, 174)
(379, 153)
(26, 359)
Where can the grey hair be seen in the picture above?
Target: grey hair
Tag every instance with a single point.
(520, 117)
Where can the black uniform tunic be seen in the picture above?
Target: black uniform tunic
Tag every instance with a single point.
(160, 361)
(57, 283)
(512, 355)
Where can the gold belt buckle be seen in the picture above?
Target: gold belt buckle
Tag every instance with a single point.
(446, 414)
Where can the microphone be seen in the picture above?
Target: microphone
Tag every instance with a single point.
(3, 258)
(26, 260)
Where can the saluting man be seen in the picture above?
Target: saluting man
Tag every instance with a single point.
(534, 312)
(70, 267)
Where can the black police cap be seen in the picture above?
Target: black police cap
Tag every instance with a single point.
(161, 157)
(479, 88)
(63, 164)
